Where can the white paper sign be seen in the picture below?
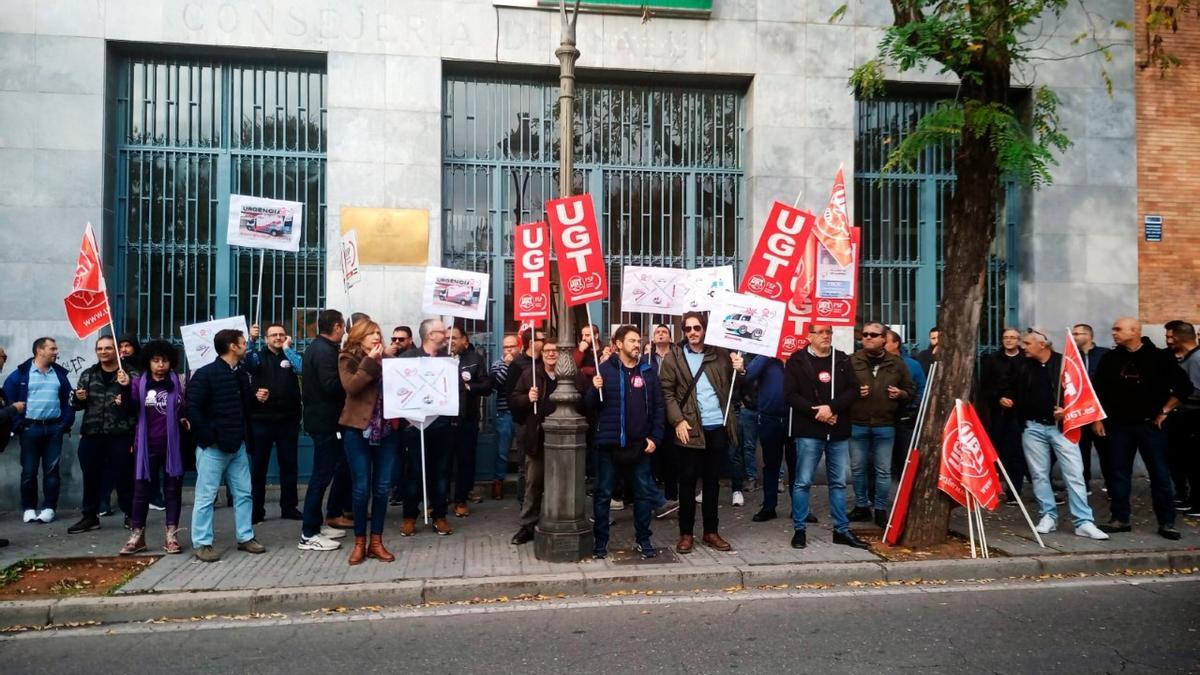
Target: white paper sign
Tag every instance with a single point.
(652, 290)
(702, 284)
(421, 389)
(257, 222)
(746, 323)
(455, 293)
(350, 274)
(198, 339)
(843, 339)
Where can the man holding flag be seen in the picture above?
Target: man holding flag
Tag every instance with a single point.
(1038, 394)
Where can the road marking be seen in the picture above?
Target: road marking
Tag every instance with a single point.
(588, 602)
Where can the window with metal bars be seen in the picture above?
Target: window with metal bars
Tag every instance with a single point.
(187, 132)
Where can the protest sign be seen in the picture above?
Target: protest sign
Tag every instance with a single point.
(454, 293)
(703, 284)
(770, 269)
(531, 272)
(420, 389)
(257, 222)
(350, 272)
(577, 246)
(652, 290)
(744, 322)
(835, 296)
(198, 339)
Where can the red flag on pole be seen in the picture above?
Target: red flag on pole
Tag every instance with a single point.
(772, 268)
(1080, 403)
(968, 459)
(531, 272)
(87, 304)
(577, 245)
(833, 227)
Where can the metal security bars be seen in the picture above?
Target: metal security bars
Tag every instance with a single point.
(902, 213)
(664, 164)
(188, 133)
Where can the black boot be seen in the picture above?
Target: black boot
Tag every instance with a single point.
(800, 539)
(848, 538)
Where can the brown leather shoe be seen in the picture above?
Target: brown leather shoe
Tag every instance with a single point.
(714, 540)
(442, 526)
(461, 510)
(340, 522)
(376, 550)
(359, 553)
(409, 527)
(686, 543)
(497, 489)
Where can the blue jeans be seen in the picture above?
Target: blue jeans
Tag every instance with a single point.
(328, 459)
(1039, 440)
(504, 438)
(370, 476)
(637, 475)
(40, 444)
(871, 464)
(742, 457)
(211, 466)
(808, 455)
(1125, 440)
(776, 452)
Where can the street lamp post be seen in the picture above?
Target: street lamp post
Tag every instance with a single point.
(563, 534)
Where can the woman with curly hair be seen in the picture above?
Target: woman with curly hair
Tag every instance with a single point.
(157, 401)
(371, 442)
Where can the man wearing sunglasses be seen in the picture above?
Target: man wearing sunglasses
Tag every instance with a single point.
(401, 341)
(884, 385)
(1035, 393)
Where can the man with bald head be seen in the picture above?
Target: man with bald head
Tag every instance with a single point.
(1139, 386)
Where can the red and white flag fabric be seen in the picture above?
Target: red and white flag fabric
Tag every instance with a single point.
(833, 227)
(87, 304)
(968, 459)
(531, 272)
(1080, 404)
(577, 246)
(772, 267)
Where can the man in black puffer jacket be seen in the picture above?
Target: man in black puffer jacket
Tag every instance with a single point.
(218, 400)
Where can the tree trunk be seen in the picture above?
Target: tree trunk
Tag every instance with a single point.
(971, 227)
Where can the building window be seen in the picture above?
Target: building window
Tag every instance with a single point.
(187, 133)
(663, 163)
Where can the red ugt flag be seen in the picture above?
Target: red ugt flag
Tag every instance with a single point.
(833, 227)
(531, 272)
(577, 244)
(772, 269)
(968, 459)
(1080, 403)
(87, 304)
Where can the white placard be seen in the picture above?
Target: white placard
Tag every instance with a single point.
(455, 293)
(421, 389)
(350, 273)
(198, 339)
(746, 323)
(257, 222)
(702, 284)
(652, 290)
(843, 339)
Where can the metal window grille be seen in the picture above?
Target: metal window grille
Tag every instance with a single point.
(188, 133)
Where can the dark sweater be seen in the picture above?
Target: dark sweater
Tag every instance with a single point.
(523, 409)
(804, 386)
(633, 407)
(1035, 388)
(1134, 386)
(474, 381)
(765, 377)
(218, 399)
(275, 373)
(322, 392)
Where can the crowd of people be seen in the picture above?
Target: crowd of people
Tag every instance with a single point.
(661, 430)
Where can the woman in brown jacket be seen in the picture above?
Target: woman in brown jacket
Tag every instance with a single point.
(371, 442)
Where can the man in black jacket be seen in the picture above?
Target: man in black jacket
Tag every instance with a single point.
(1139, 385)
(474, 382)
(323, 400)
(530, 405)
(274, 418)
(996, 373)
(218, 403)
(820, 386)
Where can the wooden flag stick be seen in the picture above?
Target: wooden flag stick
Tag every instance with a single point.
(971, 526)
(1013, 491)
(424, 487)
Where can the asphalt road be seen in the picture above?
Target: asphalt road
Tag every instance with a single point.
(1076, 626)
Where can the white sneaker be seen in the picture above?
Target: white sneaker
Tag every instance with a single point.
(30, 515)
(332, 532)
(616, 505)
(157, 507)
(1046, 525)
(700, 497)
(738, 498)
(1090, 531)
(317, 543)
(46, 516)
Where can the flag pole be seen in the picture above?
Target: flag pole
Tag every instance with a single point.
(982, 535)
(587, 306)
(262, 263)
(922, 409)
(424, 485)
(971, 525)
(1013, 492)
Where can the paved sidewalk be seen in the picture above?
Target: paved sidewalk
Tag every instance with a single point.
(479, 547)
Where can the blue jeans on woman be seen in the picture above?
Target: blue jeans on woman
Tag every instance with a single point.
(871, 464)
(370, 476)
(808, 454)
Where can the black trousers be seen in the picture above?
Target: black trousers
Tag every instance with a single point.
(106, 459)
(703, 464)
(1087, 441)
(284, 436)
(665, 463)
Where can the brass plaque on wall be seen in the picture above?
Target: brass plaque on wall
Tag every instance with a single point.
(389, 236)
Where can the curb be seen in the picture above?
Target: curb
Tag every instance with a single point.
(184, 605)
